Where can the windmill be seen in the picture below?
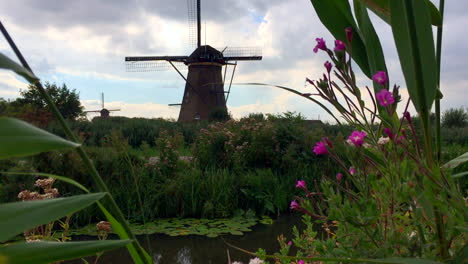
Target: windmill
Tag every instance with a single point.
(104, 112)
(204, 85)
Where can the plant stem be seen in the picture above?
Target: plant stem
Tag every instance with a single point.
(438, 59)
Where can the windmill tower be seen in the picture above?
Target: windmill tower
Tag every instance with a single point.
(204, 85)
(104, 112)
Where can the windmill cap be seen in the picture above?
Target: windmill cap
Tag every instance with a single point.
(206, 54)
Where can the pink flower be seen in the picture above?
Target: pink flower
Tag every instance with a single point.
(389, 133)
(301, 184)
(339, 176)
(290, 243)
(300, 262)
(328, 142)
(357, 138)
(380, 78)
(294, 205)
(407, 116)
(385, 98)
(320, 45)
(328, 66)
(320, 148)
(339, 45)
(352, 170)
(349, 34)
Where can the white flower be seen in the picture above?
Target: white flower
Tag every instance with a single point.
(349, 142)
(256, 261)
(383, 140)
(237, 262)
(366, 145)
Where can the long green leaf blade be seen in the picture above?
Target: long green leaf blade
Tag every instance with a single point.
(8, 64)
(51, 252)
(118, 228)
(382, 9)
(20, 216)
(456, 161)
(414, 41)
(19, 139)
(371, 40)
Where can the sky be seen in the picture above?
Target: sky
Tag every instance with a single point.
(83, 44)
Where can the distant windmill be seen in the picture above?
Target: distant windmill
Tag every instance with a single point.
(104, 112)
(204, 88)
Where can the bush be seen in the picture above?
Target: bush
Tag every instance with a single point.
(455, 118)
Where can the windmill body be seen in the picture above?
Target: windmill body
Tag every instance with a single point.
(204, 88)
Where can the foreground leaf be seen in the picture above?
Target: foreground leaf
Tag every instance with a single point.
(120, 231)
(116, 226)
(19, 139)
(415, 45)
(17, 217)
(456, 161)
(51, 252)
(382, 9)
(8, 64)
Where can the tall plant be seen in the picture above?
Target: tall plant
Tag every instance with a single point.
(393, 198)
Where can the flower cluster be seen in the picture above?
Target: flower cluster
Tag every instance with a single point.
(47, 191)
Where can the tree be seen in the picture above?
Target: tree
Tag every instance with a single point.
(66, 100)
(455, 118)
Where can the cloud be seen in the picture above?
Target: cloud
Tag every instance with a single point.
(10, 85)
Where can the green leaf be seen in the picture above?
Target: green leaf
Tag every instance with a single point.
(456, 162)
(374, 50)
(51, 252)
(8, 64)
(382, 9)
(415, 44)
(336, 16)
(19, 139)
(20, 216)
(120, 231)
(459, 175)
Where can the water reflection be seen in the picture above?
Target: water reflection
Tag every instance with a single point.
(202, 250)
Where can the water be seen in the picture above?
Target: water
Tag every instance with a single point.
(204, 250)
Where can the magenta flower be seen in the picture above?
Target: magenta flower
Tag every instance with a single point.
(357, 138)
(328, 142)
(339, 45)
(380, 78)
(389, 133)
(328, 66)
(352, 170)
(301, 185)
(300, 262)
(407, 116)
(290, 243)
(320, 148)
(339, 176)
(320, 45)
(385, 98)
(349, 34)
(294, 205)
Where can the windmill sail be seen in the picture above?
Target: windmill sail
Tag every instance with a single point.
(204, 84)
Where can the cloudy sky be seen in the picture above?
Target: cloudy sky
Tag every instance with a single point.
(83, 44)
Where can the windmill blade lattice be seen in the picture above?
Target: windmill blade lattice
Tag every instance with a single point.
(241, 53)
(149, 66)
(192, 23)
